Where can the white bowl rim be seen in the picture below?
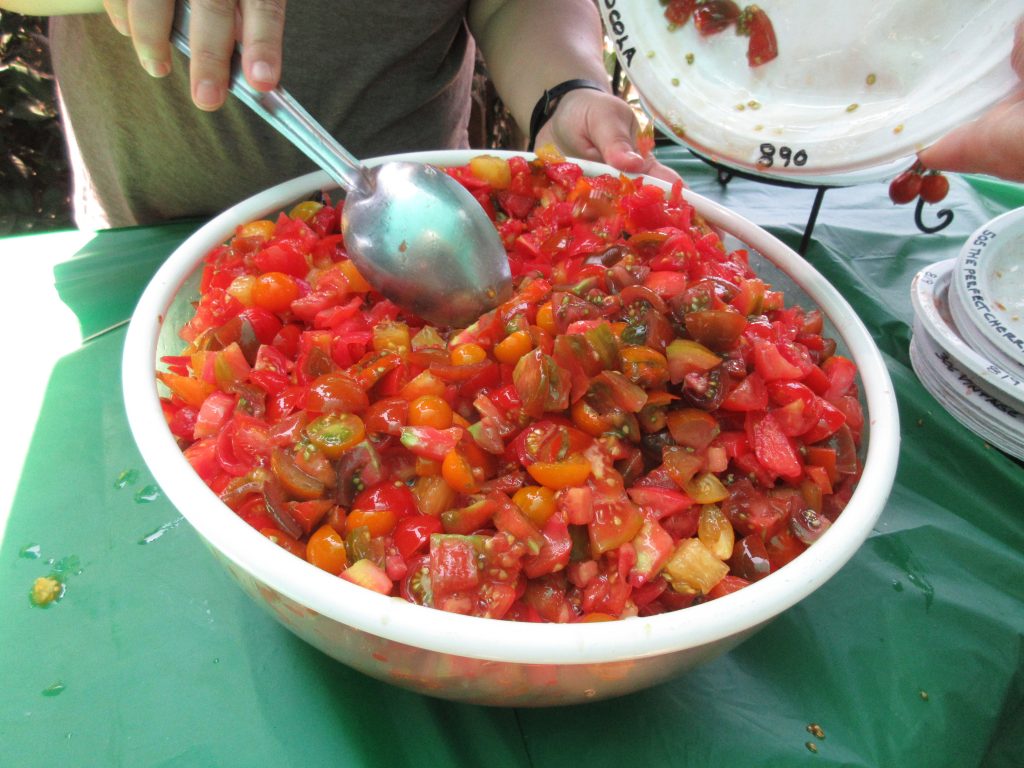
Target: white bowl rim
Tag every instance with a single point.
(472, 637)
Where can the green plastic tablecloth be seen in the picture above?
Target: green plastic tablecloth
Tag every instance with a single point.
(911, 656)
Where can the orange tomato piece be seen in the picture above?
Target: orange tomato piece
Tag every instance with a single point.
(513, 347)
(644, 366)
(681, 464)
(706, 488)
(326, 550)
(586, 417)
(556, 475)
(536, 502)
(191, 391)
(494, 170)
(294, 480)
(430, 411)
(427, 467)
(356, 282)
(596, 616)
(274, 291)
(546, 318)
(469, 353)
(458, 472)
(424, 383)
(392, 337)
(380, 521)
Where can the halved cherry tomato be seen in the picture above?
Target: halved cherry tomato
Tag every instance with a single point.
(334, 433)
(574, 470)
(412, 534)
(326, 549)
(458, 472)
(274, 291)
(430, 411)
(388, 495)
(692, 427)
(336, 391)
(716, 329)
(537, 503)
(379, 521)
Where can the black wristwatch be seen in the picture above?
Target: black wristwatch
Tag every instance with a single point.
(548, 103)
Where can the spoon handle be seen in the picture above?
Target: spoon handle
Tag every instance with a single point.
(283, 112)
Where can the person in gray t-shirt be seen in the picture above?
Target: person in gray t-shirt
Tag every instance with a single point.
(383, 76)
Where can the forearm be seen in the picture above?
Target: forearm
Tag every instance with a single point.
(51, 7)
(532, 45)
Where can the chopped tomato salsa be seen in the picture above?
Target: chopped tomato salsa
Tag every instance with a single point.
(645, 425)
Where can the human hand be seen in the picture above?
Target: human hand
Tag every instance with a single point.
(992, 144)
(215, 27)
(594, 125)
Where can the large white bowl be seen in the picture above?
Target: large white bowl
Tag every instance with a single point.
(483, 660)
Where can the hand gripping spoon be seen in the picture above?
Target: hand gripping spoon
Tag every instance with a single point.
(417, 235)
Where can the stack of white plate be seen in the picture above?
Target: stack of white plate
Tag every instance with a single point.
(968, 341)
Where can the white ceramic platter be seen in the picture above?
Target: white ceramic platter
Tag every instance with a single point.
(989, 418)
(929, 293)
(987, 295)
(855, 91)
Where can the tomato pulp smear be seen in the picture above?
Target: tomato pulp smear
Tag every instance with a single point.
(644, 425)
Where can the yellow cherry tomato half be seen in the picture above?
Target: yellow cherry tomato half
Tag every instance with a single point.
(560, 474)
(469, 353)
(379, 521)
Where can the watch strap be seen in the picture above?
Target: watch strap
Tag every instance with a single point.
(548, 103)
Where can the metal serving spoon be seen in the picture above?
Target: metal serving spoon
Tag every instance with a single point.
(417, 235)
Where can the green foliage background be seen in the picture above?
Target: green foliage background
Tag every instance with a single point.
(34, 178)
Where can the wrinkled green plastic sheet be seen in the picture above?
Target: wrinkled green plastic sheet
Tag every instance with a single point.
(910, 656)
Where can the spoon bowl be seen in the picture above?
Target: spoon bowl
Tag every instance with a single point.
(416, 235)
(421, 239)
